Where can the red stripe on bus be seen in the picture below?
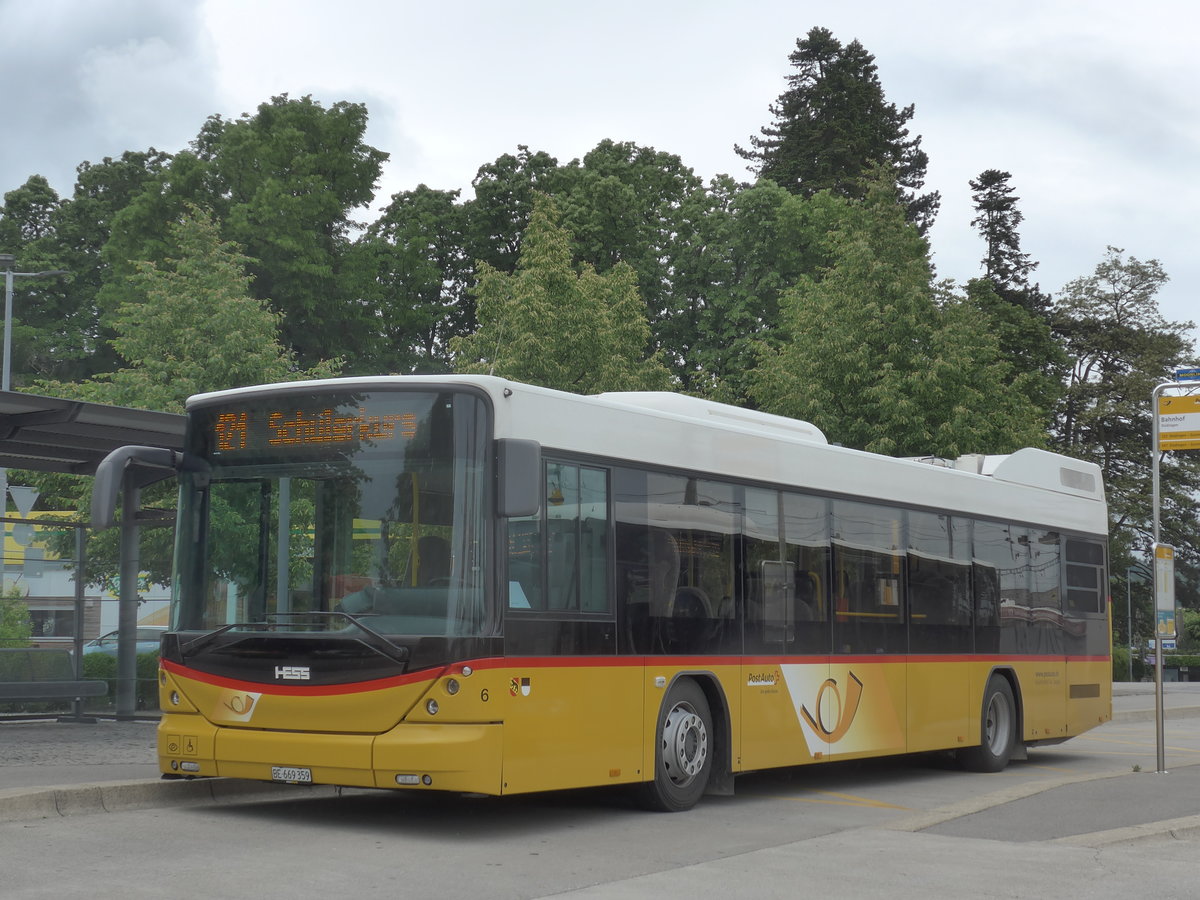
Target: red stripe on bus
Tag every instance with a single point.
(595, 662)
(300, 690)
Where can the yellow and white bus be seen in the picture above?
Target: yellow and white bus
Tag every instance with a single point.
(462, 583)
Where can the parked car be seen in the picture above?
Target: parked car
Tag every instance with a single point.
(148, 637)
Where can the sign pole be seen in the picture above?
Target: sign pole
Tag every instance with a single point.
(1156, 458)
(1176, 422)
(1164, 629)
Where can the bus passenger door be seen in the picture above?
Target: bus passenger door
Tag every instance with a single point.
(784, 583)
(573, 711)
(776, 684)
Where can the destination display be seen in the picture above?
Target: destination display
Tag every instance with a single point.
(282, 428)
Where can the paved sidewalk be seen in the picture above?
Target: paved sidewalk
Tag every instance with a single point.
(49, 753)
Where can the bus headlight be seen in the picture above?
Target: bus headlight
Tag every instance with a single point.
(452, 686)
(431, 706)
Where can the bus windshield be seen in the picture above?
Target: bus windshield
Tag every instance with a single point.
(323, 505)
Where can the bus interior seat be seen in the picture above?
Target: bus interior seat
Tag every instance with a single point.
(651, 574)
(690, 603)
(433, 560)
(662, 565)
(806, 596)
(691, 622)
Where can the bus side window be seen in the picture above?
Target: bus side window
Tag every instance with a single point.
(1085, 576)
(870, 615)
(558, 558)
(806, 544)
(525, 563)
(939, 583)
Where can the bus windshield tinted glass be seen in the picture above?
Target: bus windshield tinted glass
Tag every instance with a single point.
(365, 503)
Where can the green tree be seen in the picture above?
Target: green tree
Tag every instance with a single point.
(996, 218)
(1018, 310)
(625, 203)
(82, 226)
(500, 212)
(1027, 342)
(47, 326)
(15, 625)
(57, 322)
(747, 246)
(293, 173)
(1190, 632)
(281, 183)
(1120, 347)
(194, 327)
(27, 213)
(198, 328)
(833, 124)
(421, 275)
(550, 325)
(872, 359)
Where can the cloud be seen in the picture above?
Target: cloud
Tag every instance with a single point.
(89, 80)
(1091, 111)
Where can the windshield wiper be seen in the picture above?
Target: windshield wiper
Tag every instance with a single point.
(207, 638)
(379, 642)
(375, 640)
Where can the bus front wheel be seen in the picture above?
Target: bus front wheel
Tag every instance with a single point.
(997, 729)
(683, 750)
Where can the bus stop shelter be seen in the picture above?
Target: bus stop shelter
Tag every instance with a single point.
(50, 434)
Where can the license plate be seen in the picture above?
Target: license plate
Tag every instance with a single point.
(291, 775)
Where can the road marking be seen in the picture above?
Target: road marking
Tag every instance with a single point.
(833, 798)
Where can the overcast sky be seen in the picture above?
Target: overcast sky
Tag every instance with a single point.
(1092, 106)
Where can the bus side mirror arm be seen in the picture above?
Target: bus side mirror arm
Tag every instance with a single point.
(518, 477)
(111, 473)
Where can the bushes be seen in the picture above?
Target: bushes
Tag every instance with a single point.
(104, 667)
(1120, 665)
(1143, 666)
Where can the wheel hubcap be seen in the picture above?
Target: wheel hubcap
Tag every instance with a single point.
(998, 725)
(685, 744)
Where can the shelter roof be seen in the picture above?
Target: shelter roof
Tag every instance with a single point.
(49, 434)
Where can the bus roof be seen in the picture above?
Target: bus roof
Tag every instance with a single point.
(690, 434)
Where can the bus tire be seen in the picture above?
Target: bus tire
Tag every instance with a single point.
(997, 729)
(683, 755)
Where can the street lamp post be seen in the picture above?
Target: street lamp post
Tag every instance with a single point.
(6, 262)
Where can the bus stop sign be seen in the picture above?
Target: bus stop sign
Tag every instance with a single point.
(1179, 423)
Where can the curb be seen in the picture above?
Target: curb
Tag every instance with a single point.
(1180, 828)
(1147, 715)
(23, 804)
(929, 818)
(1184, 828)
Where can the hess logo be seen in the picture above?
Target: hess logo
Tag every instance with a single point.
(292, 673)
(839, 723)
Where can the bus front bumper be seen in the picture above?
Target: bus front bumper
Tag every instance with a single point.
(445, 757)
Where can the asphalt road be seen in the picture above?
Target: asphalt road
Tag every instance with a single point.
(1088, 818)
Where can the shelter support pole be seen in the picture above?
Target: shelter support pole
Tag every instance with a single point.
(128, 603)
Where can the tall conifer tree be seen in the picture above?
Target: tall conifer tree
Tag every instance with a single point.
(1019, 311)
(833, 124)
(997, 217)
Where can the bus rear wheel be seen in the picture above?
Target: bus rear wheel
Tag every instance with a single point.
(997, 729)
(683, 750)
